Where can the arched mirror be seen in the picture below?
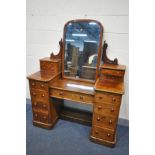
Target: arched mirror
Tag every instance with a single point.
(82, 49)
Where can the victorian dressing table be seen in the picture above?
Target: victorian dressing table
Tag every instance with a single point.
(80, 72)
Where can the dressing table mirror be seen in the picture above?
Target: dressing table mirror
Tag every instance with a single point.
(76, 74)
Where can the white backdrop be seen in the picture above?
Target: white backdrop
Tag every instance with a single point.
(44, 28)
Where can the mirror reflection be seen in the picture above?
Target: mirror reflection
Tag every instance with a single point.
(81, 49)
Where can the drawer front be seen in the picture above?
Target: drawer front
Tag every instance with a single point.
(104, 134)
(106, 109)
(40, 117)
(38, 95)
(107, 98)
(104, 121)
(112, 72)
(79, 97)
(38, 85)
(40, 106)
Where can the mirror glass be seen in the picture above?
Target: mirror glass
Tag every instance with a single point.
(82, 40)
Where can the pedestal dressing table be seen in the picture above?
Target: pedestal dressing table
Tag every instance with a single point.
(80, 72)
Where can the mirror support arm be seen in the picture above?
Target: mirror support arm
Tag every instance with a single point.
(105, 59)
(59, 55)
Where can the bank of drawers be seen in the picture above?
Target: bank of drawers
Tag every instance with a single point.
(105, 115)
(75, 96)
(40, 101)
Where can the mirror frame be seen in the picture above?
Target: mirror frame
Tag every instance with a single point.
(99, 50)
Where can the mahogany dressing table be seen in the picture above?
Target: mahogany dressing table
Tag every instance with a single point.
(80, 72)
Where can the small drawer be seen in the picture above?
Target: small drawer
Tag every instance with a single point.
(40, 106)
(106, 109)
(104, 121)
(117, 73)
(38, 95)
(107, 98)
(38, 85)
(104, 134)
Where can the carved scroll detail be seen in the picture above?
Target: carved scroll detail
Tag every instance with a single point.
(105, 58)
(59, 55)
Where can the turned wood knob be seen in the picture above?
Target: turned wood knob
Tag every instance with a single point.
(112, 110)
(110, 121)
(61, 93)
(44, 106)
(43, 95)
(114, 99)
(35, 115)
(108, 135)
(33, 84)
(44, 117)
(98, 118)
(99, 107)
(34, 94)
(42, 85)
(96, 132)
(35, 104)
(81, 97)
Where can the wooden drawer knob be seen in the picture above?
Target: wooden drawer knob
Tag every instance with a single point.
(44, 117)
(99, 107)
(43, 95)
(34, 94)
(61, 93)
(112, 110)
(33, 84)
(108, 135)
(42, 85)
(81, 97)
(98, 118)
(36, 115)
(44, 105)
(113, 99)
(110, 121)
(96, 132)
(35, 104)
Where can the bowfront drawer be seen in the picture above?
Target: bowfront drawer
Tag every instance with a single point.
(112, 72)
(38, 95)
(79, 97)
(107, 98)
(104, 134)
(38, 85)
(106, 109)
(104, 121)
(40, 106)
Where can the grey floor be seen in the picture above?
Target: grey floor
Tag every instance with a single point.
(68, 138)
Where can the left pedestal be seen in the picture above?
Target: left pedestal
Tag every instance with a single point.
(44, 113)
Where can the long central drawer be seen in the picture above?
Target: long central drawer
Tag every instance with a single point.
(70, 95)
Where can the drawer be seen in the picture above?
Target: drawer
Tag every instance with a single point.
(38, 95)
(40, 117)
(107, 98)
(106, 109)
(40, 106)
(104, 134)
(112, 72)
(104, 121)
(79, 97)
(38, 85)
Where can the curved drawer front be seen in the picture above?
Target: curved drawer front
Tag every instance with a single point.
(104, 121)
(40, 106)
(104, 134)
(40, 117)
(74, 96)
(106, 109)
(107, 98)
(112, 72)
(38, 95)
(38, 85)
